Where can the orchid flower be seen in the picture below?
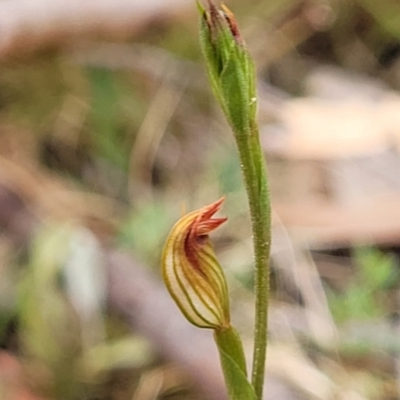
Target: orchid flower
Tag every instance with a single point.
(191, 271)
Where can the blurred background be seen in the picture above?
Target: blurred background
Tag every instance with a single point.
(109, 133)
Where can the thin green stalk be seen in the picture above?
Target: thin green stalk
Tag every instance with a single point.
(254, 173)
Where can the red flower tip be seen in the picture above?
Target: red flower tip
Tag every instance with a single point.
(204, 223)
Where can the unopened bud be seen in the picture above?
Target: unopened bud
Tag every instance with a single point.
(229, 66)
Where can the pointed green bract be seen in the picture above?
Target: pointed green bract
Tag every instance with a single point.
(234, 364)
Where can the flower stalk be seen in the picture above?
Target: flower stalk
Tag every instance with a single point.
(231, 73)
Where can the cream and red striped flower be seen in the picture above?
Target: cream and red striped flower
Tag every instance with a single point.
(191, 271)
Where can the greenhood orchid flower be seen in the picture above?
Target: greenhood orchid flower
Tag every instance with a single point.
(191, 271)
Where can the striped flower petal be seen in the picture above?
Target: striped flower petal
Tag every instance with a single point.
(191, 271)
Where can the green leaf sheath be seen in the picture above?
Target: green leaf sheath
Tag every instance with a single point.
(233, 364)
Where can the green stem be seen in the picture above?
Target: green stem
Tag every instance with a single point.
(254, 172)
